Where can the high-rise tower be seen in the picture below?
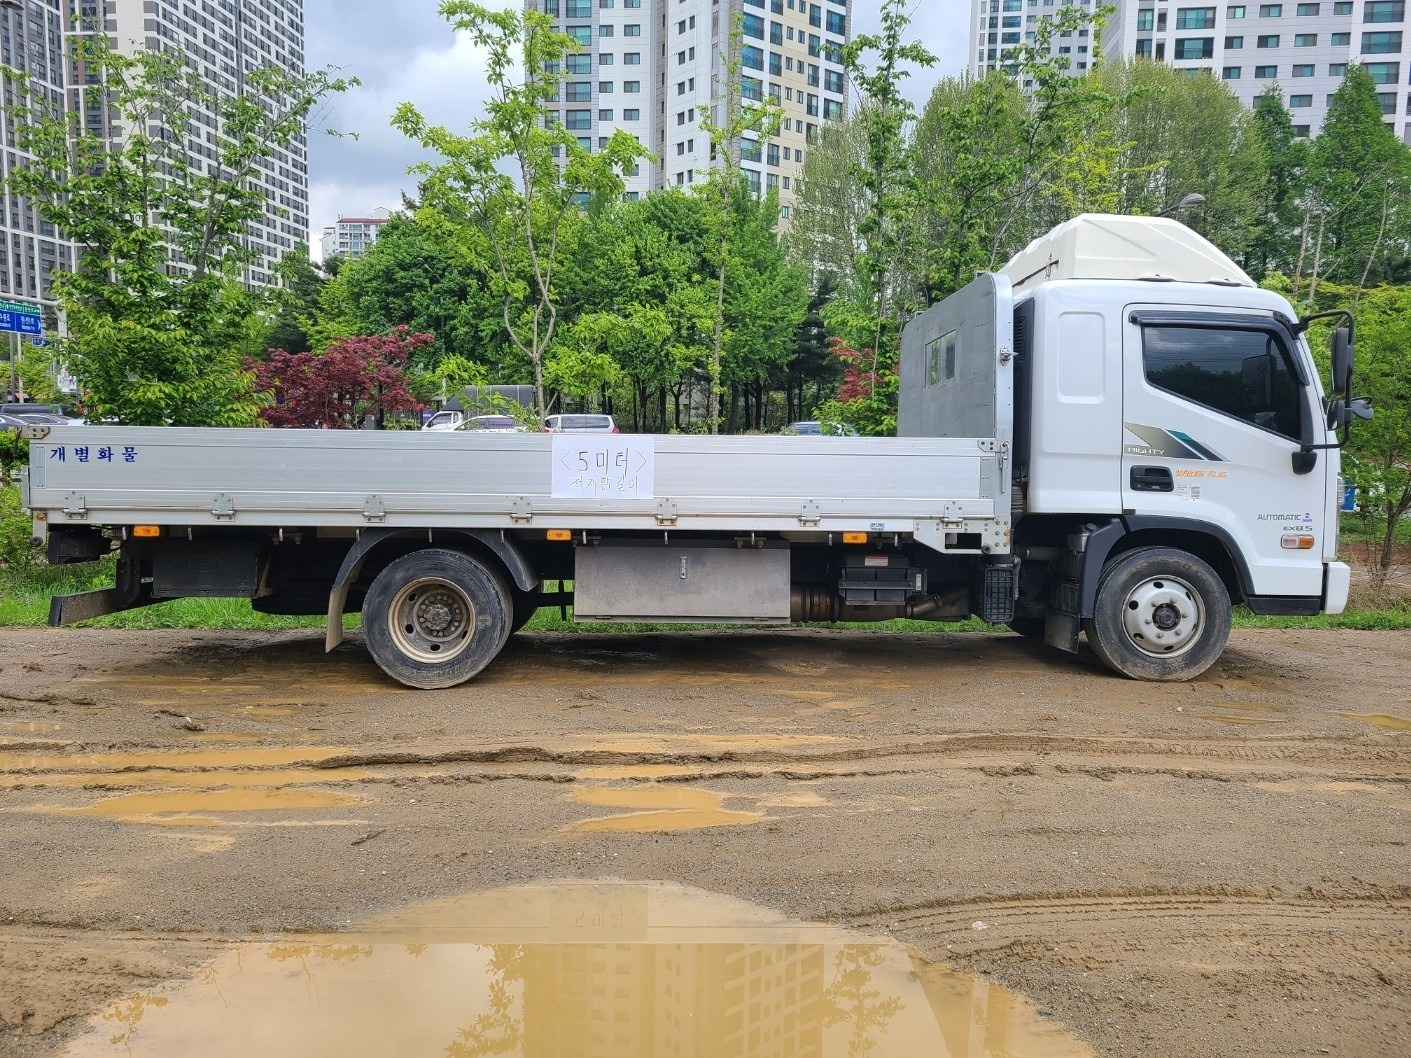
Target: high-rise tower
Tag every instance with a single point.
(31, 249)
(654, 69)
(223, 40)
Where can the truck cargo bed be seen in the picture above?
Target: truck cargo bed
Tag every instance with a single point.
(320, 478)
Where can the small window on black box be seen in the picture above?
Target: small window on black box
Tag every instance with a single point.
(940, 357)
(1245, 374)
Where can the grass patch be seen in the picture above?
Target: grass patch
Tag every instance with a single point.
(24, 602)
(32, 610)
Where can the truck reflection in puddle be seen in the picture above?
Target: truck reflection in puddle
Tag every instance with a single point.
(590, 969)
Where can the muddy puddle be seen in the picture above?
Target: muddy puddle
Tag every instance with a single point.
(1249, 720)
(578, 969)
(1382, 720)
(211, 787)
(658, 809)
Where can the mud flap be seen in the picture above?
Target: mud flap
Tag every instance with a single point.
(69, 609)
(1061, 631)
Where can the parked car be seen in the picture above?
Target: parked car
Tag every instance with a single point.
(814, 428)
(493, 424)
(42, 418)
(579, 423)
(445, 420)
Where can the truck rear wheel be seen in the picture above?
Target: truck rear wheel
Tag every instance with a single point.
(435, 618)
(1161, 614)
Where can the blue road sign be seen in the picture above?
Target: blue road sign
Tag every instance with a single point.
(19, 317)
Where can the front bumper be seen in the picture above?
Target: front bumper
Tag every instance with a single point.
(1337, 582)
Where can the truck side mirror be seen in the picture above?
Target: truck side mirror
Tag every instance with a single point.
(1257, 377)
(1343, 356)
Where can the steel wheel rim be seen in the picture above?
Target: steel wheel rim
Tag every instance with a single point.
(1163, 617)
(431, 620)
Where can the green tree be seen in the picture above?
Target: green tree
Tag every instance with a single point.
(514, 229)
(1377, 458)
(823, 230)
(1382, 447)
(1275, 246)
(586, 359)
(152, 343)
(636, 258)
(450, 376)
(1355, 215)
(410, 277)
(765, 302)
(739, 132)
(998, 157)
(884, 176)
(1181, 135)
(297, 304)
(973, 143)
(813, 367)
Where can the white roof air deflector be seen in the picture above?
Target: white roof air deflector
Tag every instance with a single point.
(1106, 246)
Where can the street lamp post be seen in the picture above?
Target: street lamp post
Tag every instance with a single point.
(1189, 202)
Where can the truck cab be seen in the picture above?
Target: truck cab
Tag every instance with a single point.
(1168, 411)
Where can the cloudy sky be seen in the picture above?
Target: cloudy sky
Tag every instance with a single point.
(404, 51)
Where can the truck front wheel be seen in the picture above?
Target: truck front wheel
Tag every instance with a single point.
(1160, 614)
(435, 618)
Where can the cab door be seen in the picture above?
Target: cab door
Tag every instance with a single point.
(1216, 408)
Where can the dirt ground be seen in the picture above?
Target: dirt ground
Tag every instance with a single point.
(1214, 868)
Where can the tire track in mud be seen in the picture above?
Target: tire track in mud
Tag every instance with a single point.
(1092, 948)
(1308, 751)
(1371, 902)
(997, 756)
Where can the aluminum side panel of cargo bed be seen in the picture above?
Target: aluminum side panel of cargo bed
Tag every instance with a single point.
(325, 478)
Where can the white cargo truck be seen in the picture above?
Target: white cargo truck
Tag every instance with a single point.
(1119, 434)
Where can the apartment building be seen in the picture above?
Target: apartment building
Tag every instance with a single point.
(224, 40)
(656, 68)
(351, 237)
(999, 27)
(31, 249)
(1304, 47)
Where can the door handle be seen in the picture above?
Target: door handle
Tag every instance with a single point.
(1153, 479)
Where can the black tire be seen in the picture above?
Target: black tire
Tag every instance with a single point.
(1028, 627)
(1161, 614)
(435, 618)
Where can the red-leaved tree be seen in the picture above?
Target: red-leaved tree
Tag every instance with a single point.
(867, 398)
(340, 387)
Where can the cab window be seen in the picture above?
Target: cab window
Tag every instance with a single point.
(1245, 374)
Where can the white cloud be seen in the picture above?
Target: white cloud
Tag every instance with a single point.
(366, 165)
(413, 57)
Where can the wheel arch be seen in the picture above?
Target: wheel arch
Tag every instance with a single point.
(492, 546)
(1210, 543)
